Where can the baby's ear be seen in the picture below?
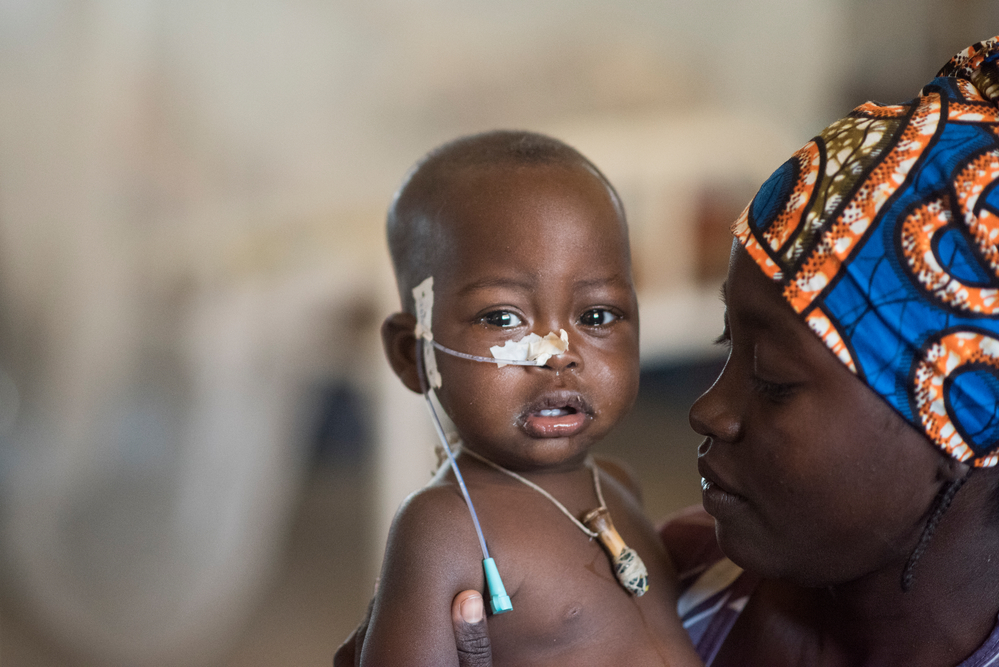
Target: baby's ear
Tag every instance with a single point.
(399, 341)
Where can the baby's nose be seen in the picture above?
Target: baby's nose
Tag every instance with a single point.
(565, 361)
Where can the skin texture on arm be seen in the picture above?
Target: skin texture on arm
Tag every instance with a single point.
(431, 555)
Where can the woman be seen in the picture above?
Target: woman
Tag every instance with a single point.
(850, 442)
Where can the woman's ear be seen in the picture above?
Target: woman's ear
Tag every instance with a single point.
(952, 470)
(399, 341)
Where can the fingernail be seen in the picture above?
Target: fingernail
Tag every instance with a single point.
(471, 609)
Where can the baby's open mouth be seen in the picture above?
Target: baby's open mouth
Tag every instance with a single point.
(556, 416)
(556, 412)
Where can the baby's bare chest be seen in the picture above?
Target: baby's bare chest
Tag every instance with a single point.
(568, 607)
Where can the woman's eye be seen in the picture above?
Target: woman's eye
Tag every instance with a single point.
(502, 318)
(774, 391)
(724, 339)
(596, 317)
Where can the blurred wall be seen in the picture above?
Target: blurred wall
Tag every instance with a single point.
(191, 198)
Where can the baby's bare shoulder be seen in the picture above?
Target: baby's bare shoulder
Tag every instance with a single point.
(431, 523)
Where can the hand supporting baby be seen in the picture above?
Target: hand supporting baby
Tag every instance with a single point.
(471, 634)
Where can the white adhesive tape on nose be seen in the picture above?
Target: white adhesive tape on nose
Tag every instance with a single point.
(532, 347)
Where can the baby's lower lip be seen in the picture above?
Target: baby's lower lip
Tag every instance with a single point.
(554, 423)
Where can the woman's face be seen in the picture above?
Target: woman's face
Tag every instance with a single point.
(810, 476)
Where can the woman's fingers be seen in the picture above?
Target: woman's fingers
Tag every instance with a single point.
(349, 653)
(345, 655)
(471, 635)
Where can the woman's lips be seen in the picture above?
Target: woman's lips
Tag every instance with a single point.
(557, 415)
(716, 498)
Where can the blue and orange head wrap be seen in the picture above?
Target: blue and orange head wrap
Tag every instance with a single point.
(884, 233)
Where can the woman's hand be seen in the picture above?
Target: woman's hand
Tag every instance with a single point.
(471, 635)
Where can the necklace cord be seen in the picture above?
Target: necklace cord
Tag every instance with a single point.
(939, 507)
(562, 508)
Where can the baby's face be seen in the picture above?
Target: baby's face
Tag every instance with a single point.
(535, 249)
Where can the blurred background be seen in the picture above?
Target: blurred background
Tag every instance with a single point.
(201, 447)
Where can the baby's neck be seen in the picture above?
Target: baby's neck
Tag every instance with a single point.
(522, 466)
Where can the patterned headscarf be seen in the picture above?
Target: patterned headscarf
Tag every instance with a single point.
(884, 233)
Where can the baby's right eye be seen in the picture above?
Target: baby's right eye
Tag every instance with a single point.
(501, 318)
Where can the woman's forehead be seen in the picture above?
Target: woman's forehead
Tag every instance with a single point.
(754, 297)
(756, 309)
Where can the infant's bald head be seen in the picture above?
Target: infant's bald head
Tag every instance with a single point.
(417, 229)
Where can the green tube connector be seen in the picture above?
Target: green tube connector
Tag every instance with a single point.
(499, 601)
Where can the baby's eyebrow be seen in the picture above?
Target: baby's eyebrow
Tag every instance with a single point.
(600, 282)
(487, 283)
(527, 285)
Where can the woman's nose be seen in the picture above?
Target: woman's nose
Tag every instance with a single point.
(716, 413)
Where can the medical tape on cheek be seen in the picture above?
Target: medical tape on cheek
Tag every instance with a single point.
(423, 295)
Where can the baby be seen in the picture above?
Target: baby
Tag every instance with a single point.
(496, 237)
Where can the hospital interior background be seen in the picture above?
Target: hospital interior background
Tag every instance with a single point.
(201, 446)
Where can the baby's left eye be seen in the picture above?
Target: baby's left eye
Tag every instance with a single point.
(596, 317)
